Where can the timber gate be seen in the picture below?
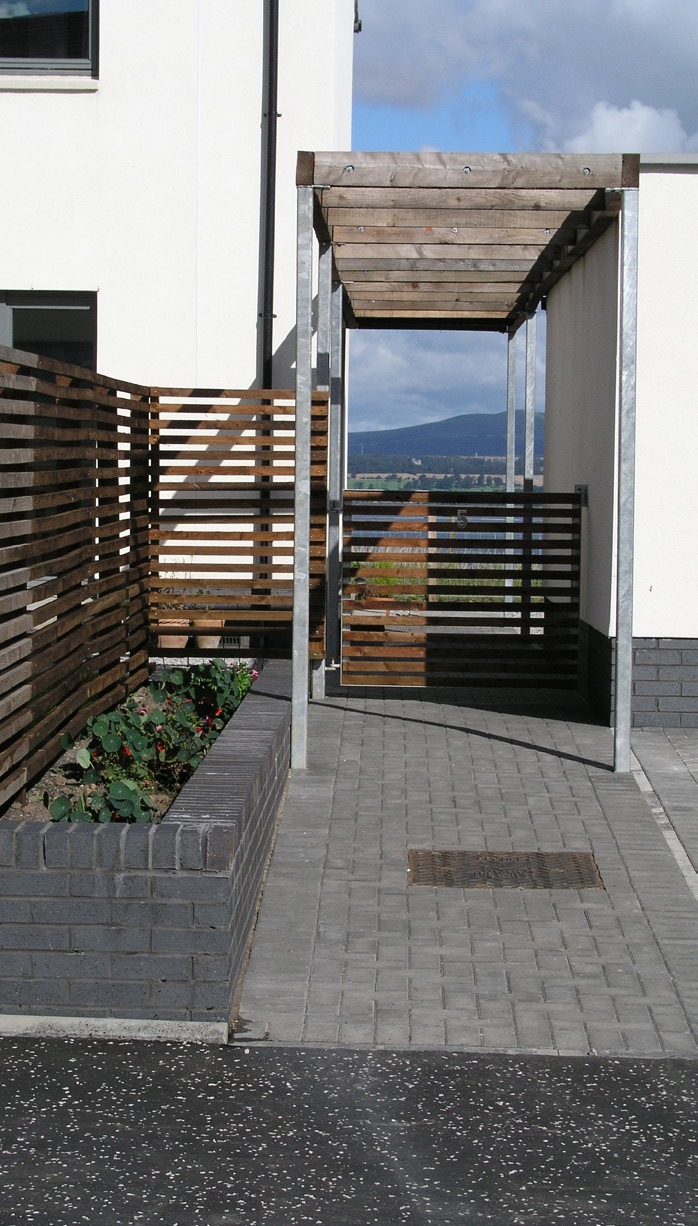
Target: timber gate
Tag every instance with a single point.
(451, 588)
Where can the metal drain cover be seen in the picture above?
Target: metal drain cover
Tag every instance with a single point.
(504, 870)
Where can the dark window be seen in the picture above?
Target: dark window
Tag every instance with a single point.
(48, 36)
(56, 325)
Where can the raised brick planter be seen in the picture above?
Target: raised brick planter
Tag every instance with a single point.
(142, 930)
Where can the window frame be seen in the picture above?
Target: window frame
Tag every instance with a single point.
(52, 300)
(28, 66)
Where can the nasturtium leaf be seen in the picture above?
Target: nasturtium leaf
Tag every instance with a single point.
(120, 790)
(111, 743)
(60, 807)
(83, 758)
(100, 727)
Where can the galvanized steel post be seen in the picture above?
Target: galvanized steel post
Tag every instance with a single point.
(511, 412)
(530, 404)
(301, 544)
(623, 686)
(317, 667)
(335, 477)
(324, 294)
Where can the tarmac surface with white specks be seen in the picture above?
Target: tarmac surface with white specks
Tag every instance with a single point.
(182, 1135)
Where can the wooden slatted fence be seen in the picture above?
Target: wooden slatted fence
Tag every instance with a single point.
(73, 554)
(221, 536)
(460, 588)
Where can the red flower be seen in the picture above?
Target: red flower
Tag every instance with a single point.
(127, 751)
(219, 711)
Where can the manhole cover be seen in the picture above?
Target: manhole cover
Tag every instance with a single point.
(505, 870)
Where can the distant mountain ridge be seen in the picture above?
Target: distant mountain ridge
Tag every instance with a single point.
(482, 434)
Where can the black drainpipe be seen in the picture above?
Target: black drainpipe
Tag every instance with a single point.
(269, 223)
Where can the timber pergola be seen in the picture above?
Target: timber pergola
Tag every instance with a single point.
(467, 241)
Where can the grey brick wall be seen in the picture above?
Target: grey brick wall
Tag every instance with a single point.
(149, 922)
(665, 679)
(665, 683)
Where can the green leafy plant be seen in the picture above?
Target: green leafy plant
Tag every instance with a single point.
(156, 745)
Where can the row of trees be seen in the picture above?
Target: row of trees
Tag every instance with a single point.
(456, 466)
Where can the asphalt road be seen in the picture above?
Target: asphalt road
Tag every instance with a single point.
(121, 1134)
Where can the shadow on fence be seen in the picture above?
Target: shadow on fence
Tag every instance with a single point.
(125, 508)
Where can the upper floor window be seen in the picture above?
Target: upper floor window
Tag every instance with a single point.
(48, 36)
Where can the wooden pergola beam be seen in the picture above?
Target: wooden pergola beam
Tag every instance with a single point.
(491, 170)
(414, 234)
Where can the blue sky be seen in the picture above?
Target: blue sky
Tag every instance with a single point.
(502, 75)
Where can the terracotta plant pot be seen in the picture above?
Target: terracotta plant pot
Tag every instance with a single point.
(176, 641)
(208, 632)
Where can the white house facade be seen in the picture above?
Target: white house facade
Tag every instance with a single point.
(134, 177)
(581, 443)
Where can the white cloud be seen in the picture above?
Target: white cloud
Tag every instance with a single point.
(401, 378)
(13, 8)
(551, 63)
(633, 129)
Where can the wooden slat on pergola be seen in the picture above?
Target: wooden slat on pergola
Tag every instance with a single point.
(458, 240)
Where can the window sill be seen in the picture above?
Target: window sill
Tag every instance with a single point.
(52, 83)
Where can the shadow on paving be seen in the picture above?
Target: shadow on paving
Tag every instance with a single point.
(119, 1134)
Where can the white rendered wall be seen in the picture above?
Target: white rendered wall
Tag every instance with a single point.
(145, 185)
(666, 503)
(580, 412)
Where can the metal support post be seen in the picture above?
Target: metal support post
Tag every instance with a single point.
(335, 478)
(511, 436)
(511, 412)
(529, 452)
(323, 315)
(530, 403)
(626, 480)
(301, 544)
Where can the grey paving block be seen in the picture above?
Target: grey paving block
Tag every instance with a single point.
(580, 968)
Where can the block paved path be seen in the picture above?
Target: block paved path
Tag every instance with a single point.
(346, 952)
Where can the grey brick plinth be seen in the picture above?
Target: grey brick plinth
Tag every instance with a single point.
(665, 679)
(149, 922)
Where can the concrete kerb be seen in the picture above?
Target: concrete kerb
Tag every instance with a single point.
(141, 931)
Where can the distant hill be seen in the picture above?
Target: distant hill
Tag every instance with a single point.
(467, 434)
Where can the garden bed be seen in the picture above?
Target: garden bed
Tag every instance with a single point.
(131, 762)
(140, 928)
